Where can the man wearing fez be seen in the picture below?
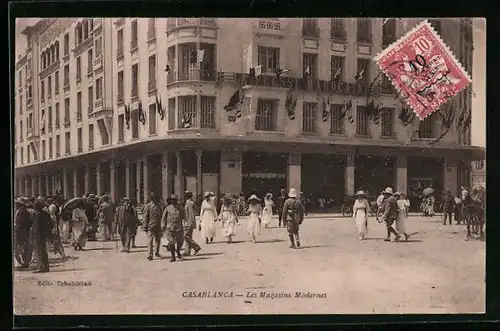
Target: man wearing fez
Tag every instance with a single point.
(190, 224)
(152, 225)
(125, 223)
(172, 225)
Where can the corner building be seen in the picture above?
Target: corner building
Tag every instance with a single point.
(90, 93)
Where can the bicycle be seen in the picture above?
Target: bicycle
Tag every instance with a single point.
(346, 210)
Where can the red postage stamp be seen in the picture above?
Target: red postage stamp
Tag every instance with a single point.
(423, 69)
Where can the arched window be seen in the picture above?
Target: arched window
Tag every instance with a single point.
(47, 54)
(85, 29)
(79, 34)
(56, 46)
(53, 53)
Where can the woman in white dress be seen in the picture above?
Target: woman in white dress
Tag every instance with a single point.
(255, 219)
(267, 212)
(402, 212)
(229, 217)
(78, 225)
(208, 216)
(360, 212)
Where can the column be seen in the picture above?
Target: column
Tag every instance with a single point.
(33, 185)
(164, 175)
(112, 180)
(230, 174)
(26, 193)
(39, 182)
(98, 178)
(65, 183)
(75, 182)
(138, 181)
(179, 180)
(86, 177)
(146, 178)
(294, 171)
(199, 178)
(47, 184)
(127, 178)
(402, 174)
(349, 175)
(450, 177)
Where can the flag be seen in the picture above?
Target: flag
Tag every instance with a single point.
(127, 116)
(167, 68)
(290, 104)
(280, 71)
(325, 110)
(159, 108)
(467, 122)
(308, 70)
(142, 116)
(348, 111)
(359, 76)
(193, 57)
(233, 101)
(337, 73)
(258, 70)
(461, 118)
(200, 55)
(42, 120)
(186, 120)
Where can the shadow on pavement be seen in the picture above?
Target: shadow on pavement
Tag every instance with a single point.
(373, 239)
(410, 241)
(138, 251)
(209, 254)
(144, 246)
(66, 270)
(66, 259)
(270, 241)
(195, 258)
(312, 246)
(99, 249)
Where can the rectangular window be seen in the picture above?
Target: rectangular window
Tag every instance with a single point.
(66, 111)
(98, 47)
(67, 137)
(265, 119)
(56, 82)
(171, 113)
(42, 120)
(362, 122)
(269, 58)
(66, 44)
(50, 118)
(51, 147)
(389, 32)
(207, 112)
(49, 87)
(90, 64)
(133, 35)
(120, 87)
(79, 106)
(152, 118)
(387, 122)
(30, 93)
(310, 27)
(188, 62)
(78, 68)
(121, 127)
(58, 116)
(42, 90)
(43, 149)
(363, 66)
(337, 120)
(91, 136)
(152, 73)
(187, 112)
(364, 33)
(66, 75)
(28, 154)
(135, 123)
(135, 80)
(337, 29)
(20, 104)
(80, 140)
(425, 129)
(310, 65)
(90, 96)
(337, 65)
(22, 155)
(309, 117)
(151, 28)
(21, 132)
(98, 88)
(58, 146)
(119, 43)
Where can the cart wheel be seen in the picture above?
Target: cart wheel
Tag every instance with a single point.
(346, 210)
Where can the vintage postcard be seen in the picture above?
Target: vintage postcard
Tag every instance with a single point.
(249, 166)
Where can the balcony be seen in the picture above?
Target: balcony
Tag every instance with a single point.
(178, 23)
(192, 74)
(98, 62)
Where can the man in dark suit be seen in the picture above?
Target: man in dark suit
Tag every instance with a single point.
(390, 214)
(280, 202)
(125, 223)
(41, 233)
(152, 225)
(190, 224)
(22, 232)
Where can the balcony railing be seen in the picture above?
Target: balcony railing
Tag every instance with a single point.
(173, 23)
(98, 61)
(191, 74)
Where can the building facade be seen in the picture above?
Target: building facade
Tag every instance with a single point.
(134, 106)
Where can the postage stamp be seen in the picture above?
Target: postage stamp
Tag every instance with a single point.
(423, 69)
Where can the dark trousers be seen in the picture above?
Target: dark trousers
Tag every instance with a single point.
(154, 238)
(188, 238)
(24, 250)
(293, 231)
(126, 239)
(390, 229)
(175, 241)
(447, 214)
(280, 216)
(458, 214)
(41, 255)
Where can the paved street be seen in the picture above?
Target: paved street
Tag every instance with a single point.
(437, 271)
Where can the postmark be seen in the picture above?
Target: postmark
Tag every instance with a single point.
(423, 69)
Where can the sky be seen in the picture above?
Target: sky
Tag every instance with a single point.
(478, 123)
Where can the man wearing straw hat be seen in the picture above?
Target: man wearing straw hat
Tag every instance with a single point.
(23, 221)
(190, 224)
(172, 225)
(390, 214)
(293, 215)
